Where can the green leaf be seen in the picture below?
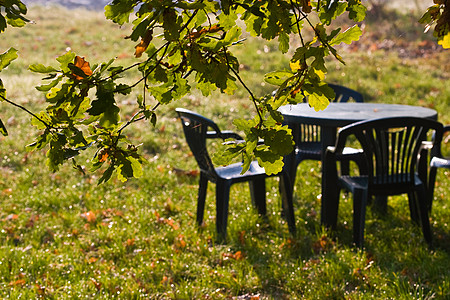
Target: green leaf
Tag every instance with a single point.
(40, 68)
(7, 57)
(171, 25)
(175, 57)
(317, 100)
(106, 175)
(227, 152)
(272, 164)
(119, 11)
(48, 87)
(65, 60)
(140, 29)
(357, 11)
(3, 129)
(38, 123)
(279, 140)
(277, 77)
(2, 23)
(330, 12)
(283, 39)
(40, 142)
(348, 36)
(227, 21)
(105, 107)
(232, 35)
(15, 21)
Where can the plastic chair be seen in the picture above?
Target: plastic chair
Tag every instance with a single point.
(196, 132)
(437, 161)
(308, 144)
(391, 151)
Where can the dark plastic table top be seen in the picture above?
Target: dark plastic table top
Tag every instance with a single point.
(341, 114)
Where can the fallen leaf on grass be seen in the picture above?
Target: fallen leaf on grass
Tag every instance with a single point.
(7, 192)
(18, 282)
(191, 173)
(323, 244)
(130, 242)
(31, 221)
(169, 221)
(92, 260)
(236, 256)
(97, 284)
(89, 216)
(12, 217)
(179, 243)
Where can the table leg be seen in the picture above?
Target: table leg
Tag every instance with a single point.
(328, 137)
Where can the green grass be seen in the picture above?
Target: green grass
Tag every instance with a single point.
(62, 236)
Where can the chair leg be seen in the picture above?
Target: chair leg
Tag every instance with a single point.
(421, 200)
(359, 216)
(430, 187)
(345, 166)
(413, 207)
(203, 185)
(222, 200)
(258, 194)
(286, 195)
(330, 193)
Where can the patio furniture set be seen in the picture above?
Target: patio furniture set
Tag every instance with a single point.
(392, 157)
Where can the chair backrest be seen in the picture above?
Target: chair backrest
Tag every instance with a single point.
(195, 128)
(391, 146)
(343, 94)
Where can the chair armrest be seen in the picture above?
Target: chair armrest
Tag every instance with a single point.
(331, 149)
(226, 134)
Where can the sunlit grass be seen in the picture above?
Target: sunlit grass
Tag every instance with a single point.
(62, 236)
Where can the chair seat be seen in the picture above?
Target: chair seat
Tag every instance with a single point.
(390, 185)
(437, 162)
(233, 171)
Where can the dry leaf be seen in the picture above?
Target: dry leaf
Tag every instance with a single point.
(20, 282)
(83, 65)
(142, 46)
(89, 216)
(97, 284)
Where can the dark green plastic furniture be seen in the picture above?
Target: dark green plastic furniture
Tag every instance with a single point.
(437, 161)
(307, 138)
(197, 130)
(391, 151)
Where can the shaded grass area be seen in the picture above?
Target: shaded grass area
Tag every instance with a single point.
(62, 236)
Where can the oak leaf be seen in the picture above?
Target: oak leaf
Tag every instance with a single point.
(83, 66)
(143, 45)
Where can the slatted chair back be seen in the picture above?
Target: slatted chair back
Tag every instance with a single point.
(195, 127)
(391, 148)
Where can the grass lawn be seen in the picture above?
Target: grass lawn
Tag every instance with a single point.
(63, 236)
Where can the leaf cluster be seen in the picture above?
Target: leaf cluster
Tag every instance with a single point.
(12, 13)
(439, 16)
(181, 45)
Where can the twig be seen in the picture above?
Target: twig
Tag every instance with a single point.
(28, 111)
(244, 85)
